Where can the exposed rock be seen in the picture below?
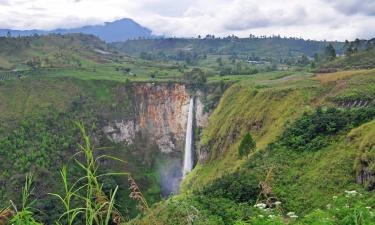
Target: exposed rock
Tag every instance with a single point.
(121, 131)
(366, 177)
(353, 103)
(160, 111)
(200, 115)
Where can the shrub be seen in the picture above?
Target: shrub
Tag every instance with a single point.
(238, 186)
(314, 130)
(246, 146)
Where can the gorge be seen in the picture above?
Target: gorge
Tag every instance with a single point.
(165, 114)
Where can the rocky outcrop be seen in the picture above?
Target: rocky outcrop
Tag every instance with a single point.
(160, 112)
(349, 103)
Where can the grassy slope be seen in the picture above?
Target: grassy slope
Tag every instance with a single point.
(301, 180)
(360, 60)
(79, 56)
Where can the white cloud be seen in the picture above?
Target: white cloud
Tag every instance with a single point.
(315, 19)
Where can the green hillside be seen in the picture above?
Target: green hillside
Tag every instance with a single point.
(76, 55)
(313, 163)
(38, 135)
(283, 116)
(360, 60)
(273, 49)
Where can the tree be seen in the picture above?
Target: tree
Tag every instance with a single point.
(349, 50)
(330, 52)
(303, 61)
(246, 146)
(219, 61)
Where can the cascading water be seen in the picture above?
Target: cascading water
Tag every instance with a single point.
(188, 158)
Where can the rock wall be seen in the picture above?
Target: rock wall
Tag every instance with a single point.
(160, 112)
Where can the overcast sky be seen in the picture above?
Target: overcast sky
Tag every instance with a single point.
(314, 19)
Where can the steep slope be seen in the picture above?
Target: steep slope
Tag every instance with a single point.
(141, 123)
(305, 154)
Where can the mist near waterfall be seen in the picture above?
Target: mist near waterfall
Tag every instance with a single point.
(170, 170)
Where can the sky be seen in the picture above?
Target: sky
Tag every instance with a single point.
(309, 19)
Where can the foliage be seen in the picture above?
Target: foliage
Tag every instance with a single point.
(345, 209)
(38, 135)
(352, 60)
(195, 77)
(330, 52)
(37, 144)
(312, 130)
(239, 187)
(181, 48)
(25, 215)
(196, 209)
(93, 204)
(246, 146)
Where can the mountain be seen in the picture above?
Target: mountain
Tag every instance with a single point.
(119, 30)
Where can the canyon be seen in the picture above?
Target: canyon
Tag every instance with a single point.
(160, 112)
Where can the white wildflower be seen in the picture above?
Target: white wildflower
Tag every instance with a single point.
(328, 206)
(351, 193)
(268, 210)
(277, 203)
(334, 197)
(292, 215)
(368, 207)
(271, 216)
(260, 205)
(261, 216)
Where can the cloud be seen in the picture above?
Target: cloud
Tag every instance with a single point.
(352, 7)
(315, 19)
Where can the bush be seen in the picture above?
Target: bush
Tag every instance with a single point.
(239, 187)
(246, 146)
(315, 130)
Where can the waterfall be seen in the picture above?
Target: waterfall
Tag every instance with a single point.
(188, 158)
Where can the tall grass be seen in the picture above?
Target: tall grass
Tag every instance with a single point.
(84, 199)
(24, 216)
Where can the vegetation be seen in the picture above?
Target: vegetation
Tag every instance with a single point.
(359, 54)
(191, 50)
(246, 146)
(40, 136)
(313, 131)
(307, 138)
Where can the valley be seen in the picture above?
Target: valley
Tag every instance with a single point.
(174, 119)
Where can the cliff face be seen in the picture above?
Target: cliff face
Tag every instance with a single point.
(160, 112)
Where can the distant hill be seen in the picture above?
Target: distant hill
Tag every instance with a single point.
(119, 30)
(53, 51)
(271, 48)
(359, 54)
